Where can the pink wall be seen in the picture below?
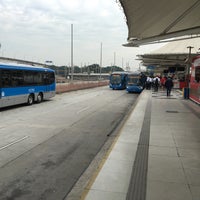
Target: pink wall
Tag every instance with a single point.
(66, 87)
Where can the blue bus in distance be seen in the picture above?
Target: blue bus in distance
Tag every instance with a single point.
(118, 80)
(25, 84)
(134, 82)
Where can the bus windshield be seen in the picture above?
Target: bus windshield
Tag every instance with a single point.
(133, 80)
(115, 79)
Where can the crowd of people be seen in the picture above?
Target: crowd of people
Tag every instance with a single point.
(151, 82)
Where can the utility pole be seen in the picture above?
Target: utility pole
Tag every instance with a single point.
(114, 60)
(189, 63)
(187, 74)
(100, 60)
(72, 65)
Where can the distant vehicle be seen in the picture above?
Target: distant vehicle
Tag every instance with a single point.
(25, 84)
(134, 82)
(118, 80)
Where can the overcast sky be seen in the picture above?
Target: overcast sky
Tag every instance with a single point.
(40, 30)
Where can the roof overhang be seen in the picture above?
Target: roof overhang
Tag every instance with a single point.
(172, 53)
(164, 59)
(155, 21)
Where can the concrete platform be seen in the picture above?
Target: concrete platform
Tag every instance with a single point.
(157, 155)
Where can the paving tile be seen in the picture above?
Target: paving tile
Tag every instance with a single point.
(189, 152)
(164, 162)
(180, 129)
(193, 176)
(111, 182)
(167, 142)
(123, 151)
(191, 163)
(188, 138)
(158, 190)
(166, 175)
(176, 120)
(129, 137)
(102, 195)
(188, 144)
(195, 192)
(118, 166)
(160, 129)
(163, 151)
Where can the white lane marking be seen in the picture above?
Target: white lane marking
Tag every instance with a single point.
(12, 143)
(84, 109)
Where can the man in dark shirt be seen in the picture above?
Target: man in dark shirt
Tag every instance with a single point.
(169, 84)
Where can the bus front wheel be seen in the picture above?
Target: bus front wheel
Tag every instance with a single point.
(30, 99)
(39, 98)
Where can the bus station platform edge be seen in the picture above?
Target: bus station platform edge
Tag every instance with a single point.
(157, 153)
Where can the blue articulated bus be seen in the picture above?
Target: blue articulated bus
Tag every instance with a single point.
(118, 80)
(134, 82)
(25, 84)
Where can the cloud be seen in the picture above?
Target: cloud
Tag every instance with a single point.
(42, 29)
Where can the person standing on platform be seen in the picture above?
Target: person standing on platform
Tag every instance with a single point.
(162, 81)
(143, 79)
(169, 85)
(156, 81)
(148, 83)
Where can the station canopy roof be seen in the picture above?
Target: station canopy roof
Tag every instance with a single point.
(151, 21)
(174, 53)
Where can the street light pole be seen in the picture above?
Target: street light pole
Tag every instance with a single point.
(187, 75)
(189, 63)
(114, 60)
(100, 59)
(72, 65)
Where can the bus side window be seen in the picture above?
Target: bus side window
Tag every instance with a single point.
(48, 78)
(51, 77)
(37, 78)
(45, 78)
(17, 78)
(5, 78)
(197, 74)
(28, 78)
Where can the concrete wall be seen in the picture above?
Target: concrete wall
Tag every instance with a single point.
(66, 87)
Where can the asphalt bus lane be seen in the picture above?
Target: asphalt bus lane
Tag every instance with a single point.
(50, 168)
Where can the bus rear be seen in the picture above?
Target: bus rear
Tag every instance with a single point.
(134, 83)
